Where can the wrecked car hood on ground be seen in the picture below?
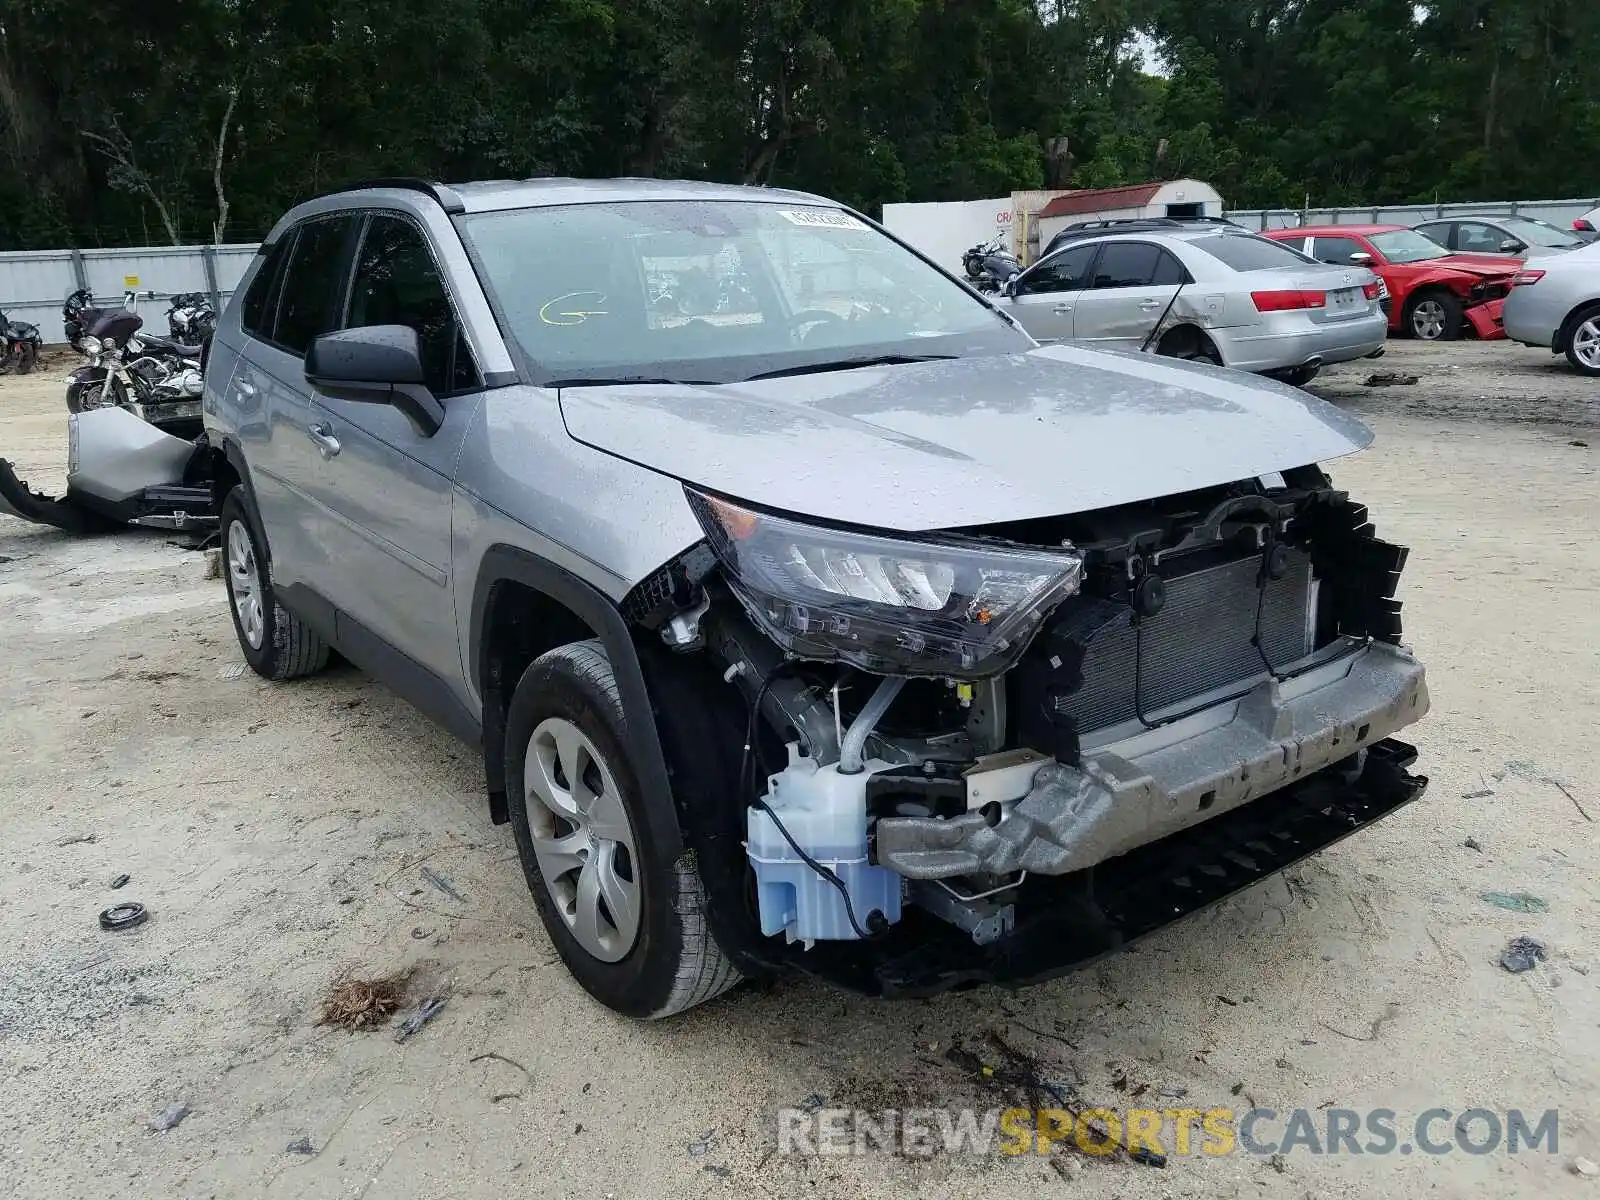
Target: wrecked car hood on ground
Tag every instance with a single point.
(970, 441)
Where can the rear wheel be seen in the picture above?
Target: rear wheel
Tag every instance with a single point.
(1583, 343)
(629, 923)
(1434, 316)
(1189, 343)
(277, 644)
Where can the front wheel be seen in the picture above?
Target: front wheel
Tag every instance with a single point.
(1583, 344)
(27, 357)
(1434, 316)
(85, 395)
(629, 922)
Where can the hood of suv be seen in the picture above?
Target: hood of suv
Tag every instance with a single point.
(970, 441)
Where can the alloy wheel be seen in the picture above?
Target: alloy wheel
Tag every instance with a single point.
(582, 839)
(1427, 320)
(244, 582)
(1586, 343)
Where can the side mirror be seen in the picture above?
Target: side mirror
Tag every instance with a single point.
(375, 364)
(1361, 258)
(1511, 246)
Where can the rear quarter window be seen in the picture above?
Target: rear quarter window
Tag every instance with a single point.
(1245, 252)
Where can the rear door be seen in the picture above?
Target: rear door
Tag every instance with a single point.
(386, 485)
(1045, 294)
(1133, 284)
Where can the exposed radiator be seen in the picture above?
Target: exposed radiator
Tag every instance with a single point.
(1198, 642)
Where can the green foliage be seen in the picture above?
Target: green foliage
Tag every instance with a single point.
(109, 128)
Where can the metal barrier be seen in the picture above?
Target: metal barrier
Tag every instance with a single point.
(1556, 212)
(33, 283)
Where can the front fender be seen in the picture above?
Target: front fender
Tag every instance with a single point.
(87, 374)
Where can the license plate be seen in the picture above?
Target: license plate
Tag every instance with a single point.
(1345, 298)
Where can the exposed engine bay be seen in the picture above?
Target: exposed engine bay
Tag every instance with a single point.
(121, 470)
(1118, 688)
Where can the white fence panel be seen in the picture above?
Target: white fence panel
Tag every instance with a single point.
(33, 283)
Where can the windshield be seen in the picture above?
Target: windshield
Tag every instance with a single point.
(1246, 252)
(1537, 233)
(1407, 246)
(717, 291)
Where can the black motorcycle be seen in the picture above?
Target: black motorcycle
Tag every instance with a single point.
(20, 344)
(157, 379)
(988, 265)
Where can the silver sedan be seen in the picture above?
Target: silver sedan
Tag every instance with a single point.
(1555, 302)
(1227, 298)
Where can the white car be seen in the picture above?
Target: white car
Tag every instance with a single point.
(1227, 298)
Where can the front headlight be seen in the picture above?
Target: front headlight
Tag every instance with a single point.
(72, 444)
(959, 609)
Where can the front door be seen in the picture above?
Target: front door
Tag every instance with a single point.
(1044, 295)
(388, 493)
(1133, 285)
(286, 473)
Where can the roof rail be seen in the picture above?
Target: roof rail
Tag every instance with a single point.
(446, 198)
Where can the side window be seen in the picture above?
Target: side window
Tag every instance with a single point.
(1169, 272)
(310, 295)
(396, 283)
(1065, 272)
(1126, 265)
(1477, 238)
(261, 301)
(1335, 250)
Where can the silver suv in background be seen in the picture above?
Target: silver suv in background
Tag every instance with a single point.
(808, 615)
(1210, 294)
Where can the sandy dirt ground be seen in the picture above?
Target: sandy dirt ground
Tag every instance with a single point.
(279, 835)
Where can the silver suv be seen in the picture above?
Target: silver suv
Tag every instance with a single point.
(810, 616)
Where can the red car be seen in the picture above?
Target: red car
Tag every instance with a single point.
(1435, 294)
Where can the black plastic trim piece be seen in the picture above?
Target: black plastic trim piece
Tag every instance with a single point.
(509, 563)
(418, 686)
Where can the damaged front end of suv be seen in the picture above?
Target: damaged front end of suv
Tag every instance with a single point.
(992, 754)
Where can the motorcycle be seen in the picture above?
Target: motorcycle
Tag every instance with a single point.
(19, 346)
(157, 379)
(988, 265)
(190, 318)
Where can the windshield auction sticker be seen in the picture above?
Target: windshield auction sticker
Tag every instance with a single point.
(821, 218)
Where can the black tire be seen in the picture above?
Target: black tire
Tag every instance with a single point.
(289, 648)
(1452, 315)
(674, 962)
(27, 357)
(75, 392)
(1569, 336)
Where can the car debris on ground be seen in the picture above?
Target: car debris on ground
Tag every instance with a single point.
(1522, 954)
(170, 1117)
(426, 1011)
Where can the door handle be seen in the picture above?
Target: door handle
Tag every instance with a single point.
(327, 445)
(1061, 310)
(1149, 305)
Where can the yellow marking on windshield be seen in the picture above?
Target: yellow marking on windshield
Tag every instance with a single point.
(571, 315)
